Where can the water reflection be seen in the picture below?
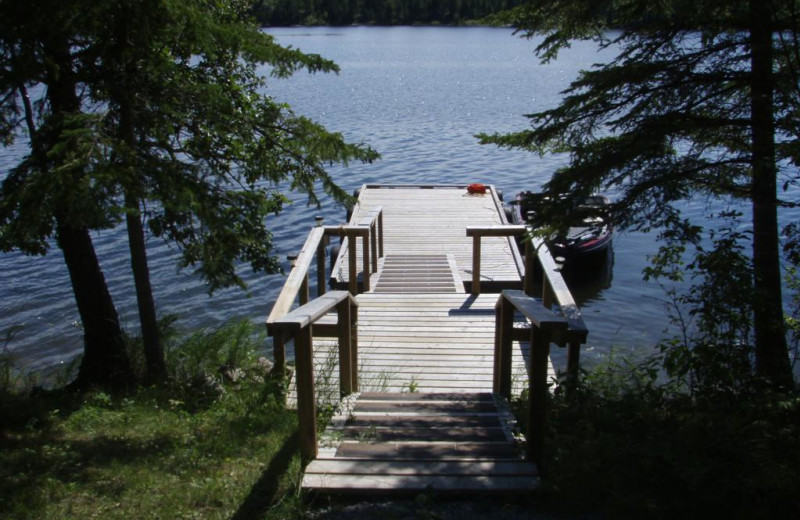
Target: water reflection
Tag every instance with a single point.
(587, 277)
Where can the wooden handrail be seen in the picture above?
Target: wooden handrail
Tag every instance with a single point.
(370, 229)
(545, 326)
(297, 325)
(554, 288)
(296, 285)
(477, 233)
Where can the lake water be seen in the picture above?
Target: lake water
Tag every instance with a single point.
(417, 95)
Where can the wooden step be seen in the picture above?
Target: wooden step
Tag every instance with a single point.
(416, 274)
(410, 442)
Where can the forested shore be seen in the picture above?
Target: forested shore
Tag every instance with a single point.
(376, 12)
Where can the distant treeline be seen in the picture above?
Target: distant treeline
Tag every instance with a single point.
(377, 12)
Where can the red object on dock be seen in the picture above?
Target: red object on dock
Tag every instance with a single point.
(476, 188)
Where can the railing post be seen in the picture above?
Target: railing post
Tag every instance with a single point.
(573, 365)
(353, 330)
(345, 348)
(537, 393)
(547, 294)
(321, 250)
(503, 341)
(351, 261)
(373, 236)
(529, 258)
(279, 353)
(380, 233)
(476, 264)
(498, 345)
(306, 405)
(365, 261)
(303, 293)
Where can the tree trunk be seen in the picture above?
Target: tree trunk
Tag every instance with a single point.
(772, 355)
(153, 352)
(105, 362)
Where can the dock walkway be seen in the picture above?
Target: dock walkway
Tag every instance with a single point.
(426, 412)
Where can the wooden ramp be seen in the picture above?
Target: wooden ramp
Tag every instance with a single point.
(412, 442)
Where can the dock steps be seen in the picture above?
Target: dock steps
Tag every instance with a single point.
(418, 274)
(412, 442)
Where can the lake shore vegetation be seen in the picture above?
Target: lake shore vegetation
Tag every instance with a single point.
(214, 441)
(377, 12)
(634, 440)
(684, 116)
(155, 113)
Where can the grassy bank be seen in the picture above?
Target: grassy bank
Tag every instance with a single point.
(214, 442)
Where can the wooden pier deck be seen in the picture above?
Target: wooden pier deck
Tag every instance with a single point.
(422, 221)
(421, 352)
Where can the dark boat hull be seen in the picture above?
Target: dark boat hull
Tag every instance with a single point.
(588, 239)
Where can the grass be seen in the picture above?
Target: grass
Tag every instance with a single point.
(215, 442)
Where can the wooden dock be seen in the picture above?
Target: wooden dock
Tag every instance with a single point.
(420, 345)
(425, 221)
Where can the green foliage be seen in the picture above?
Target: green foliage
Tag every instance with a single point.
(686, 111)
(156, 110)
(628, 444)
(153, 454)
(207, 147)
(380, 12)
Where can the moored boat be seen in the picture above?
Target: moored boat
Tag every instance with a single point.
(588, 237)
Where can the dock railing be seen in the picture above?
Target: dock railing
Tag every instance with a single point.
(554, 288)
(298, 325)
(545, 328)
(296, 287)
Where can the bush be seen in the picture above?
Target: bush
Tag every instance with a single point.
(633, 447)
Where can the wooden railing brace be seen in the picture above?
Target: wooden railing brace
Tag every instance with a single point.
(297, 325)
(544, 326)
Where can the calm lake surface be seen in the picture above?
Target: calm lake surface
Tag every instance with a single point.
(418, 96)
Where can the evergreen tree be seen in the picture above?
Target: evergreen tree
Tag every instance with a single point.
(697, 103)
(181, 133)
(63, 188)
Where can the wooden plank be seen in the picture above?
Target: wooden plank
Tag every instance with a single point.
(496, 230)
(396, 484)
(297, 276)
(540, 316)
(372, 433)
(383, 396)
(442, 468)
(423, 406)
(428, 451)
(310, 312)
(429, 421)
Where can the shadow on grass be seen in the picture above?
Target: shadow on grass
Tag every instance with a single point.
(264, 492)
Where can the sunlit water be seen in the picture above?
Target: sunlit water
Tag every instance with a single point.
(418, 96)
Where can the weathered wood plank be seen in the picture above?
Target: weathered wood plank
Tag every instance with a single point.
(428, 451)
(372, 483)
(383, 396)
(443, 468)
(310, 312)
(428, 421)
(424, 406)
(371, 433)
